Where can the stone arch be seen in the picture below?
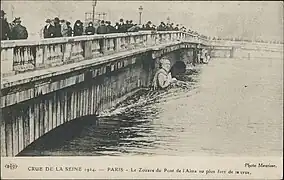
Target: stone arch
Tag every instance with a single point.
(178, 65)
(178, 68)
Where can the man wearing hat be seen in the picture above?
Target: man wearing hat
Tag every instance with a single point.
(110, 28)
(102, 29)
(176, 28)
(48, 31)
(57, 28)
(78, 28)
(90, 30)
(148, 26)
(19, 31)
(162, 27)
(122, 26)
(70, 31)
(5, 29)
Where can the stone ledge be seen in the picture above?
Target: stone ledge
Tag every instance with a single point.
(11, 44)
(18, 79)
(55, 71)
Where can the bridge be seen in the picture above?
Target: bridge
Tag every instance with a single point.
(50, 82)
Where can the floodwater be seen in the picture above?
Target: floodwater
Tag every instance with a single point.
(229, 107)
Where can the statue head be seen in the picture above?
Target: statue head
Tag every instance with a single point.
(165, 64)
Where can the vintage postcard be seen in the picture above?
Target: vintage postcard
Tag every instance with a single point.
(141, 89)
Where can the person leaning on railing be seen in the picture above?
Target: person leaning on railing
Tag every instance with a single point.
(102, 29)
(90, 30)
(48, 31)
(18, 31)
(57, 28)
(110, 28)
(78, 28)
(64, 28)
(70, 31)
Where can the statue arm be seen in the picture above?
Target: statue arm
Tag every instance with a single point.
(163, 80)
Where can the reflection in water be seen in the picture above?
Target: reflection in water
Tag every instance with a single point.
(232, 108)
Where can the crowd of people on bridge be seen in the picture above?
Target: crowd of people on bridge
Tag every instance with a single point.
(62, 28)
(55, 28)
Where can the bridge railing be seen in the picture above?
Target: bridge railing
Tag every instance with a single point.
(26, 55)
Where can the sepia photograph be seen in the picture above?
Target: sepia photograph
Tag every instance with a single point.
(142, 78)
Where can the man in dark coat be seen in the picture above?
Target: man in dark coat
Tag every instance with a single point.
(5, 28)
(162, 27)
(127, 25)
(171, 28)
(19, 31)
(176, 28)
(90, 30)
(148, 26)
(102, 29)
(78, 28)
(116, 27)
(48, 31)
(110, 28)
(57, 28)
(134, 28)
(122, 26)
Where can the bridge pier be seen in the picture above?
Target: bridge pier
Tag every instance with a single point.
(232, 52)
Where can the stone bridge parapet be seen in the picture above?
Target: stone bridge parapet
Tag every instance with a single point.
(25, 55)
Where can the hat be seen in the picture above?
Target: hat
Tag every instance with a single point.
(56, 19)
(17, 20)
(48, 21)
(120, 20)
(165, 61)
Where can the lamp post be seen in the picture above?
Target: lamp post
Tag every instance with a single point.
(104, 14)
(140, 13)
(94, 7)
(168, 20)
(12, 10)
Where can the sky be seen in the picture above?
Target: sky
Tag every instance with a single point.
(247, 19)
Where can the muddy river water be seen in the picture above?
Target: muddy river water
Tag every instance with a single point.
(229, 107)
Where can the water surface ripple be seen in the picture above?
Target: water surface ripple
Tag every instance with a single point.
(229, 107)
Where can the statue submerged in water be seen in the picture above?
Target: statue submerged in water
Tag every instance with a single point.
(163, 77)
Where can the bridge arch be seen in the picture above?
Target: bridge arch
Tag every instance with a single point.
(179, 59)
